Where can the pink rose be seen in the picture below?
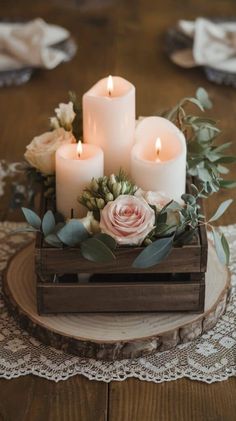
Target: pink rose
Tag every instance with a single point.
(128, 219)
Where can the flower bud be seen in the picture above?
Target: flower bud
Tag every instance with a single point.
(116, 189)
(86, 195)
(147, 241)
(94, 185)
(109, 197)
(89, 205)
(123, 187)
(100, 203)
(112, 180)
(93, 202)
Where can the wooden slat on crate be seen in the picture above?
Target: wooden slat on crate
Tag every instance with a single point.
(121, 297)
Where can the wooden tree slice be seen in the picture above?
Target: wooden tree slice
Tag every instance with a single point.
(111, 336)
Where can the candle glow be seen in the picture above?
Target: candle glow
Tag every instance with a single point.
(110, 85)
(158, 149)
(79, 149)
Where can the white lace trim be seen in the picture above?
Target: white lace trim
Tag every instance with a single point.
(209, 359)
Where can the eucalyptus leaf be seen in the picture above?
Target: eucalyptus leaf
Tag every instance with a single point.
(222, 147)
(203, 97)
(227, 184)
(32, 218)
(221, 247)
(222, 169)
(107, 240)
(53, 240)
(96, 250)
(221, 210)
(48, 223)
(226, 160)
(225, 246)
(154, 253)
(72, 233)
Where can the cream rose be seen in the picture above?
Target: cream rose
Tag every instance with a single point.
(128, 219)
(90, 223)
(65, 115)
(40, 153)
(154, 198)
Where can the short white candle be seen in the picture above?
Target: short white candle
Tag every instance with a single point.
(76, 165)
(109, 121)
(158, 158)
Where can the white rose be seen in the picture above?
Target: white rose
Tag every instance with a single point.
(90, 223)
(154, 198)
(40, 153)
(65, 114)
(54, 123)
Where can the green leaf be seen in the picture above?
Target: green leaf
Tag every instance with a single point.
(32, 218)
(222, 147)
(73, 233)
(227, 184)
(53, 240)
(154, 253)
(225, 246)
(96, 251)
(222, 247)
(48, 223)
(221, 210)
(196, 102)
(203, 97)
(226, 160)
(107, 240)
(189, 198)
(222, 169)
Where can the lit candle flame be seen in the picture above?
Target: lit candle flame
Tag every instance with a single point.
(110, 86)
(79, 148)
(158, 148)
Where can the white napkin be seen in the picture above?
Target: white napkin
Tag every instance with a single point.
(31, 44)
(214, 44)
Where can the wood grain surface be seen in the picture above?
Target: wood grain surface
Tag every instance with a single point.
(125, 38)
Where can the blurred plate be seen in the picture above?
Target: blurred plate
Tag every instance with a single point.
(178, 43)
(21, 76)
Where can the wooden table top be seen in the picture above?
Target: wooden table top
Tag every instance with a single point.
(123, 38)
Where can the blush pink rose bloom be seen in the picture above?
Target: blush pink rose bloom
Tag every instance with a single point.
(128, 219)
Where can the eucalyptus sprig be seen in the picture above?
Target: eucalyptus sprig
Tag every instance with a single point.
(161, 241)
(205, 159)
(97, 248)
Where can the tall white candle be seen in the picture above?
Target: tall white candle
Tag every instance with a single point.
(158, 158)
(76, 165)
(109, 121)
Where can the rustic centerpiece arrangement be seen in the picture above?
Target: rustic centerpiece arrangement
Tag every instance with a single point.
(121, 226)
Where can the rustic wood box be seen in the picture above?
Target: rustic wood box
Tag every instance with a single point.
(68, 283)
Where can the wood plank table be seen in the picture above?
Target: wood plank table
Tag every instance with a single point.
(124, 38)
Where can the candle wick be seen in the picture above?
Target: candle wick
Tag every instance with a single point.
(72, 213)
(109, 92)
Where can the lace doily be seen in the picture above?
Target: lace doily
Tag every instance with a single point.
(209, 359)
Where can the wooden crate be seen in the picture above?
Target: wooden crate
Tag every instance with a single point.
(68, 283)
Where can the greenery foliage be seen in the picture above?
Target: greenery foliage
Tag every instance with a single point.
(205, 159)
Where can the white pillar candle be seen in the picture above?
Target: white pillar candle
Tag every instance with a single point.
(76, 165)
(109, 121)
(158, 158)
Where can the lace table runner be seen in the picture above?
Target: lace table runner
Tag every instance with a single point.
(210, 358)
